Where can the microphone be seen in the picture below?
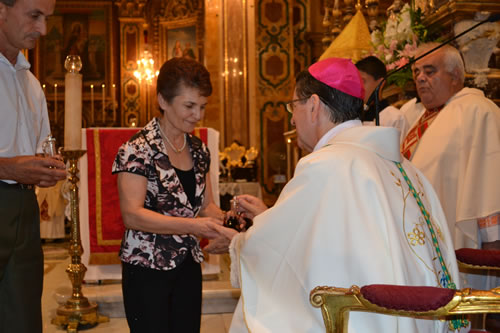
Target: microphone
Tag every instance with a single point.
(494, 18)
(375, 94)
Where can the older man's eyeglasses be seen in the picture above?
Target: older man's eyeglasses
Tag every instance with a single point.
(290, 105)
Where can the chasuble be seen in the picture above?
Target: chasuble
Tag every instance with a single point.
(346, 217)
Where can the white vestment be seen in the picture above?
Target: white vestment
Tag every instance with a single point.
(346, 217)
(460, 155)
(392, 117)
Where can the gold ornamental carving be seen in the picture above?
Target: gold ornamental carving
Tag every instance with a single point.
(131, 8)
(180, 9)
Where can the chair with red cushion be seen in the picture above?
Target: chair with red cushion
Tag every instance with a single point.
(478, 259)
(484, 260)
(409, 301)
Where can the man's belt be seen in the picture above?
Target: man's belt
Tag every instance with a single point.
(17, 185)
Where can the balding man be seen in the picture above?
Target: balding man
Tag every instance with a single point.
(454, 139)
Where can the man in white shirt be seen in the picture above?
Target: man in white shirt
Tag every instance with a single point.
(454, 139)
(372, 72)
(23, 129)
(346, 217)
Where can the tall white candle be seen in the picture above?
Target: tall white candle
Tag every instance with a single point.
(92, 104)
(43, 87)
(55, 103)
(103, 103)
(113, 96)
(73, 111)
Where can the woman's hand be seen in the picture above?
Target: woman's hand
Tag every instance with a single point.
(220, 244)
(250, 205)
(207, 227)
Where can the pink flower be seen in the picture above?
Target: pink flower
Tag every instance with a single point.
(390, 67)
(401, 62)
(393, 45)
(408, 50)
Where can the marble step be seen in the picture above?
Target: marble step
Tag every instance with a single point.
(218, 297)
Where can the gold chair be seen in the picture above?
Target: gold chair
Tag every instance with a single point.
(484, 261)
(336, 303)
(478, 259)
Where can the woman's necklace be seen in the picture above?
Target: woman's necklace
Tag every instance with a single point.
(170, 143)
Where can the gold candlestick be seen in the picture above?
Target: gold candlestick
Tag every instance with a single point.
(78, 309)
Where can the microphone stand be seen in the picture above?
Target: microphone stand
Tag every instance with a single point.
(375, 94)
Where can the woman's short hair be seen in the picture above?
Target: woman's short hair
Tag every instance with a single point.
(341, 106)
(182, 71)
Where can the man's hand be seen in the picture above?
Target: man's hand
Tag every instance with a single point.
(41, 171)
(218, 245)
(221, 244)
(249, 205)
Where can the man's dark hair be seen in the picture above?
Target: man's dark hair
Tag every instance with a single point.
(342, 107)
(9, 3)
(182, 71)
(372, 66)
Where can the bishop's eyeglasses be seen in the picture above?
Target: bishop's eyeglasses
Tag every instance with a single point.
(290, 105)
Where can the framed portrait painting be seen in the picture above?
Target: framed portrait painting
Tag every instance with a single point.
(77, 28)
(180, 39)
(182, 42)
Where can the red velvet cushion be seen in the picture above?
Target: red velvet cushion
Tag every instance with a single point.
(479, 257)
(407, 297)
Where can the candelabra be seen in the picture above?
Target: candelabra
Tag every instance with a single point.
(77, 310)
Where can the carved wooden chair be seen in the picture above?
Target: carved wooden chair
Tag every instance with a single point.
(410, 301)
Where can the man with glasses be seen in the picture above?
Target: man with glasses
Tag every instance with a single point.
(346, 217)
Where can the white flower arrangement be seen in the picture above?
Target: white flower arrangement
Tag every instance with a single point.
(397, 40)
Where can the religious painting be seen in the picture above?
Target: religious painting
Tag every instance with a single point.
(180, 39)
(77, 28)
(181, 42)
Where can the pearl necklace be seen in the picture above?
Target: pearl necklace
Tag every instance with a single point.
(170, 143)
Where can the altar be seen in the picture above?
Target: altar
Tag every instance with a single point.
(100, 218)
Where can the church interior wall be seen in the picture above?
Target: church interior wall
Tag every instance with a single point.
(252, 48)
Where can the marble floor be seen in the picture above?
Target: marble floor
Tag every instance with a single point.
(56, 282)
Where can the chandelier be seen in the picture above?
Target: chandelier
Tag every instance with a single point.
(145, 68)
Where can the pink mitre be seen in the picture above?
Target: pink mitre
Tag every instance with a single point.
(340, 74)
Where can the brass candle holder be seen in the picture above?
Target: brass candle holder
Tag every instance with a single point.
(77, 310)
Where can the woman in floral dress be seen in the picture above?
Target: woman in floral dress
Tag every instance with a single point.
(167, 205)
